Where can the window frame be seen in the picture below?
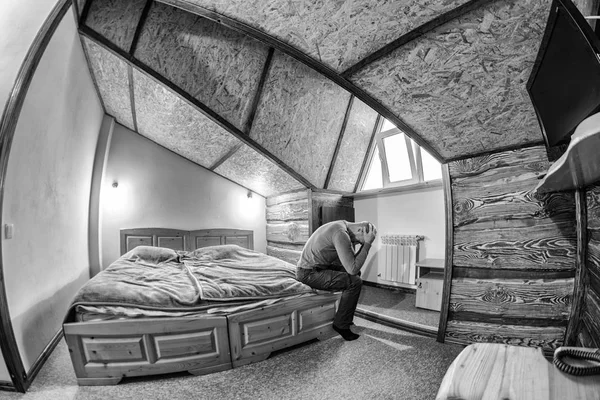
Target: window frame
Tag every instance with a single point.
(414, 158)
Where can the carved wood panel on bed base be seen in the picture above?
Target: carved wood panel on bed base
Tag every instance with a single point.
(104, 352)
(254, 334)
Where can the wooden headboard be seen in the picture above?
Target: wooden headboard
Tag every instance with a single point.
(178, 239)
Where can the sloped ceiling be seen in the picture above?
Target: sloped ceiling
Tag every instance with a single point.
(279, 95)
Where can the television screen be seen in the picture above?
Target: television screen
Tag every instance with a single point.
(564, 85)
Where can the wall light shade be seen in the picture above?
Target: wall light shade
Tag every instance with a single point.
(115, 184)
(249, 194)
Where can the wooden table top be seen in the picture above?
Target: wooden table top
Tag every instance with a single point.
(491, 371)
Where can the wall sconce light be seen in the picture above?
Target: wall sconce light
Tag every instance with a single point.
(115, 184)
(249, 194)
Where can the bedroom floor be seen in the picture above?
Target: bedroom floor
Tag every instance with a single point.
(384, 363)
(398, 304)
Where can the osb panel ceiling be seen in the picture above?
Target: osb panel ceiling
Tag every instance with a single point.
(170, 121)
(110, 74)
(216, 65)
(116, 20)
(250, 169)
(462, 86)
(336, 33)
(451, 73)
(307, 106)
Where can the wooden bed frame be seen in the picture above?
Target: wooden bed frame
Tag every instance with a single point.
(103, 352)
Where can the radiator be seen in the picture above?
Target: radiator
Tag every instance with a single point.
(399, 258)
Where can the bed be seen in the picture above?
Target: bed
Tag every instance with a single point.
(222, 305)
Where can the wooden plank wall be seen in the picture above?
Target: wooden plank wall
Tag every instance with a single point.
(293, 217)
(589, 328)
(514, 252)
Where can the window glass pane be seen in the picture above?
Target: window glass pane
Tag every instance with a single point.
(374, 179)
(387, 125)
(432, 169)
(397, 158)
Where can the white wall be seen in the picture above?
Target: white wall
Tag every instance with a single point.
(20, 21)
(412, 213)
(157, 188)
(47, 189)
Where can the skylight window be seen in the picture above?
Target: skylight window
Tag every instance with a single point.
(396, 160)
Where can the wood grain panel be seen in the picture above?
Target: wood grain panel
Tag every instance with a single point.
(295, 232)
(548, 339)
(500, 222)
(184, 344)
(112, 78)
(167, 119)
(583, 336)
(287, 197)
(513, 299)
(539, 246)
(593, 208)
(515, 251)
(531, 159)
(131, 242)
(175, 243)
(353, 147)
(218, 66)
(337, 34)
(591, 315)
(299, 117)
(289, 211)
(101, 350)
(250, 169)
(517, 206)
(466, 79)
(116, 20)
(315, 316)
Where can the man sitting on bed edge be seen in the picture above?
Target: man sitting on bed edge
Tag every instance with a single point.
(328, 262)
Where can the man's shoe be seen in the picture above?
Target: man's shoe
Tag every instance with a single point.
(347, 334)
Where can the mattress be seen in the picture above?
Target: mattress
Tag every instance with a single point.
(160, 282)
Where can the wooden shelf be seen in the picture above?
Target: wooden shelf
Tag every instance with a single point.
(579, 166)
(430, 265)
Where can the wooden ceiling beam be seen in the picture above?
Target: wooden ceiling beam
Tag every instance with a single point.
(339, 141)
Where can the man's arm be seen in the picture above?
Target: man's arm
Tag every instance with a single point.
(352, 262)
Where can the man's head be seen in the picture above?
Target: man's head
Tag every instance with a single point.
(361, 232)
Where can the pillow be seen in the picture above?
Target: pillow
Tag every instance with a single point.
(151, 254)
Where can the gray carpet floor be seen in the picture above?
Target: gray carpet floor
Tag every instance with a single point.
(384, 363)
(397, 304)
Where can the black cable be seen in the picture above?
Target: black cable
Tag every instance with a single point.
(579, 353)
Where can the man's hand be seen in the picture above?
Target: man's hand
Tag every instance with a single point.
(370, 234)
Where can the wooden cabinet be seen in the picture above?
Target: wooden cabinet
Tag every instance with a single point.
(293, 217)
(430, 284)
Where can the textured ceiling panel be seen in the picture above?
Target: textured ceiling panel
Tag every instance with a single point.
(111, 76)
(462, 86)
(170, 121)
(337, 33)
(116, 20)
(299, 117)
(216, 65)
(353, 148)
(250, 169)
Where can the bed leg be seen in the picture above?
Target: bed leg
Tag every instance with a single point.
(98, 381)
